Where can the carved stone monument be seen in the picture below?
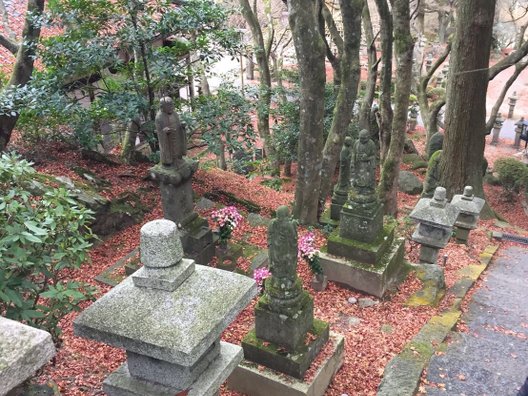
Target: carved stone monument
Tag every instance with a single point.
(363, 252)
(519, 126)
(512, 101)
(286, 337)
(174, 174)
(497, 126)
(340, 194)
(469, 207)
(169, 316)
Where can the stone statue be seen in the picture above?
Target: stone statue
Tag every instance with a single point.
(364, 162)
(171, 134)
(282, 244)
(345, 157)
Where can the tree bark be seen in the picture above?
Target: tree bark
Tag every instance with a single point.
(463, 153)
(403, 45)
(370, 89)
(326, 20)
(423, 100)
(264, 100)
(350, 73)
(386, 75)
(24, 65)
(310, 51)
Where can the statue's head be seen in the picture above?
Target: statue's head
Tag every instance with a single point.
(283, 212)
(167, 105)
(364, 136)
(348, 141)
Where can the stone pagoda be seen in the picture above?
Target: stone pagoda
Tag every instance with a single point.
(168, 316)
(174, 174)
(286, 337)
(470, 208)
(363, 252)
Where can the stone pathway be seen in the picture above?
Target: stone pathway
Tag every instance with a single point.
(492, 357)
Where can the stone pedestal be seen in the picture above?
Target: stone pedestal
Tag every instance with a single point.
(363, 253)
(23, 350)
(517, 141)
(469, 207)
(338, 199)
(177, 203)
(462, 234)
(250, 379)
(168, 317)
(361, 218)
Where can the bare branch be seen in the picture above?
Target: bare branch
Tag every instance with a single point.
(425, 80)
(510, 60)
(11, 46)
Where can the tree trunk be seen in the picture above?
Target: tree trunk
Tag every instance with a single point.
(350, 73)
(403, 45)
(370, 90)
(129, 141)
(23, 68)
(221, 158)
(443, 23)
(463, 153)
(386, 75)
(288, 168)
(310, 51)
(250, 67)
(264, 99)
(326, 20)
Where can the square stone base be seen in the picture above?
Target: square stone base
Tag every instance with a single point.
(198, 239)
(361, 222)
(276, 358)
(370, 253)
(167, 278)
(121, 383)
(373, 279)
(288, 332)
(250, 380)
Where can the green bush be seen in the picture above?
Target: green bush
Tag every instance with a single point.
(512, 174)
(43, 234)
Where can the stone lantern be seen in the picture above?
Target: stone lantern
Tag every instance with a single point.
(519, 126)
(497, 126)
(512, 100)
(436, 218)
(469, 207)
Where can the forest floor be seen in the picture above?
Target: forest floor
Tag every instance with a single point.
(373, 335)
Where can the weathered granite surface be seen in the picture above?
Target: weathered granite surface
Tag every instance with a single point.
(23, 350)
(177, 327)
(120, 383)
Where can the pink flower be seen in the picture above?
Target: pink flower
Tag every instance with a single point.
(259, 275)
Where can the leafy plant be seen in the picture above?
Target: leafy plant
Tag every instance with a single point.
(512, 174)
(41, 237)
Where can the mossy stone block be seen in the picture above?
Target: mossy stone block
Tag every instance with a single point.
(363, 252)
(275, 357)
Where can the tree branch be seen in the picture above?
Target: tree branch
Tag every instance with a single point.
(425, 80)
(11, 46)
(510, 60)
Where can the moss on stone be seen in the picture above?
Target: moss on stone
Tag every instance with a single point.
(387, 233)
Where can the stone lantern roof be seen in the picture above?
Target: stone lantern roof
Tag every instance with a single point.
(467, 203)
(435, 211)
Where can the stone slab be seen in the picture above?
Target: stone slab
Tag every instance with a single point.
(251, 380)
(272, 356)
(120, 383)
(23, 350)
(370, 253)
(371, 279)
(326, 220)
(169, 374)
(181, 325)
(167, 279)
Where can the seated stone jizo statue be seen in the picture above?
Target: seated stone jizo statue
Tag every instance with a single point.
(171, 134)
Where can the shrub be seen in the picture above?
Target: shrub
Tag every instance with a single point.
(512, 174)
(42, 235)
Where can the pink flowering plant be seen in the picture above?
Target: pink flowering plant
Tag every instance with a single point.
(307, 251)
(227, 219)
(260, 275)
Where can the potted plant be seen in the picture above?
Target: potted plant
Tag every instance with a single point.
(227, 220)
(310, 254)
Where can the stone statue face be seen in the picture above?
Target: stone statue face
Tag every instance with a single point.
(348, 141)
(283, 212)
(167, 106)
(363, 136)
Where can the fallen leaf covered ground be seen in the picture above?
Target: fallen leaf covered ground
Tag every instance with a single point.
(373, 336)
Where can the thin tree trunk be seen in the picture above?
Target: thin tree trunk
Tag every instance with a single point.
(288, 168)
(129, 141)
(264, 100)
(350, 73)
(386, 75)
(310, 51)
(250, 67)
(370, 90)
(326, 20)
(403, 44)
(23, 68)
(519, 67)
(463, 153)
